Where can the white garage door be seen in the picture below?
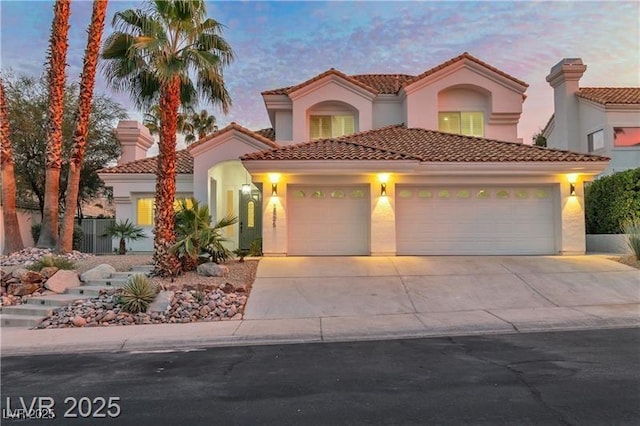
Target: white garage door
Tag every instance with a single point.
(475, 220)
(328, 220)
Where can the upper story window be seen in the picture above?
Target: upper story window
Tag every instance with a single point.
(596, 140)
(626, 136)
(468, 123)
(146, 210)
(331, 126)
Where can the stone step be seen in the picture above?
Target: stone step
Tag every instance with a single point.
(90, 291)
(27, 309)
(10, 320)
(106, 282)
(142, 268)
(56, 300)
(123, 274)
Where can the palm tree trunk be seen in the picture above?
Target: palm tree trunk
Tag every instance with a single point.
(165, 262)
(82, 125)
(12, 237)
(58, 54)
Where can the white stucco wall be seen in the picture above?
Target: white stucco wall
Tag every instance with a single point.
(387, 110)
(284, 127)
(26, 218)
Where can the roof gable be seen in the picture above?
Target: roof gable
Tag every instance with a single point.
(184, 165)
(264, 136)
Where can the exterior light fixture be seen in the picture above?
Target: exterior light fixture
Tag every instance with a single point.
(246, 188)
(572, 189)
(383, 189)
(274, 189)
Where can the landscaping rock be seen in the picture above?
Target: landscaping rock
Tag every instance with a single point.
(23, 289)
(62, 280)
(78, 321)
(31, 277)
(162, 302)
(48, 271)
(211, 269)
(19, 272)
(227, 288)
(99, 272)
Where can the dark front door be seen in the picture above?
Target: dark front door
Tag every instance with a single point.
(250, 217)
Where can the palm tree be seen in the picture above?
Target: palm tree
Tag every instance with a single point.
(82, 124)
(155, 54)
(151, 120)
(200, 124)
(57, 63)
(126, 231)
(12, 238)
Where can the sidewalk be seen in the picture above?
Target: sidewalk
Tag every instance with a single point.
(365, 298)
(308, 330)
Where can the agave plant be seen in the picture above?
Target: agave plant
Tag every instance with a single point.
(126, 231)
(631, 227)
(197, 236)
(137, 294)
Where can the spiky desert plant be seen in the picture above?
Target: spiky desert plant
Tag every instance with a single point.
(631, 227)
(137, 294)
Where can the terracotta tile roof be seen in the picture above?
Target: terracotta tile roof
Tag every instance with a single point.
(470, 57)
(399, 143)
(184, 165)
(332, 71)
(259, 135)
(611, 95)
(268, 133)
(389, 83)
(384, 83)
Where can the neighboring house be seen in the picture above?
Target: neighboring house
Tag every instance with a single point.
(378, 164)
(599, 120)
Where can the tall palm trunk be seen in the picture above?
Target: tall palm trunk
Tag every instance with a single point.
(58, 57)
(12, 238)
(165, 262)
(82, 125)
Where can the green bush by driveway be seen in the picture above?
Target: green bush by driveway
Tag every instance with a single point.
(611, 200)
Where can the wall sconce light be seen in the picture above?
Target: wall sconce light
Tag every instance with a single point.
(246, 188)
(274, 189)
(572, 189)
(383, 189)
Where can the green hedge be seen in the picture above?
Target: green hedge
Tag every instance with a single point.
(610, 200)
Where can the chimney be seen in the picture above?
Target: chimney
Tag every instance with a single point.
(564, 78)
(135, 140)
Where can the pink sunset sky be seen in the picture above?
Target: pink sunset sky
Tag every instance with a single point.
(283, 43)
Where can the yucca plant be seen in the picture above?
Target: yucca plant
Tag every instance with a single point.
(196, 236)
(59, 262)
(631, 227)
(137, 294)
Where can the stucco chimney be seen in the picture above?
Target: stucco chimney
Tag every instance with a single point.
(135, 140)
(564, 78)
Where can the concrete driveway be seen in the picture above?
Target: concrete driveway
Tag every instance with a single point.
(497, 293)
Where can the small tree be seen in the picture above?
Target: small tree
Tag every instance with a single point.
(126, 231)
(611, 200)
(539, 140)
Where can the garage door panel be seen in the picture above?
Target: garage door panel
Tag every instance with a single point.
(474, 220)
(328, 220)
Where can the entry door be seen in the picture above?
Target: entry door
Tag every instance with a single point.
(250, 218)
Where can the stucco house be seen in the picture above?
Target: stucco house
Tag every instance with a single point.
(378, 164)
(599, 120)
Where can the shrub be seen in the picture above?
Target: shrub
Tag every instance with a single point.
(59, 262)
(196, 236)
(78, 235)
(611, 200)
(126, 231)
(631, 227)
(137, 294)
(255, 248)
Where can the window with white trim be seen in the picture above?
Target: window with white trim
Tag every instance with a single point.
(468, 123)
(146, 209)
(331, 126)
(626, 136)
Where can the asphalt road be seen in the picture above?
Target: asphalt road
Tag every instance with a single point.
(561, 378)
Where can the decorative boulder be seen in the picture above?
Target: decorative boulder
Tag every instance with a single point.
(211, 269)
(32, 277)
(49, 271)
(62, 280)
(98, 273)
(23, 289)
(162, 302)
(17, 273)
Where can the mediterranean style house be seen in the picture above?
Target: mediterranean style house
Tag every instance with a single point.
(377, 164)
(599, 120)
